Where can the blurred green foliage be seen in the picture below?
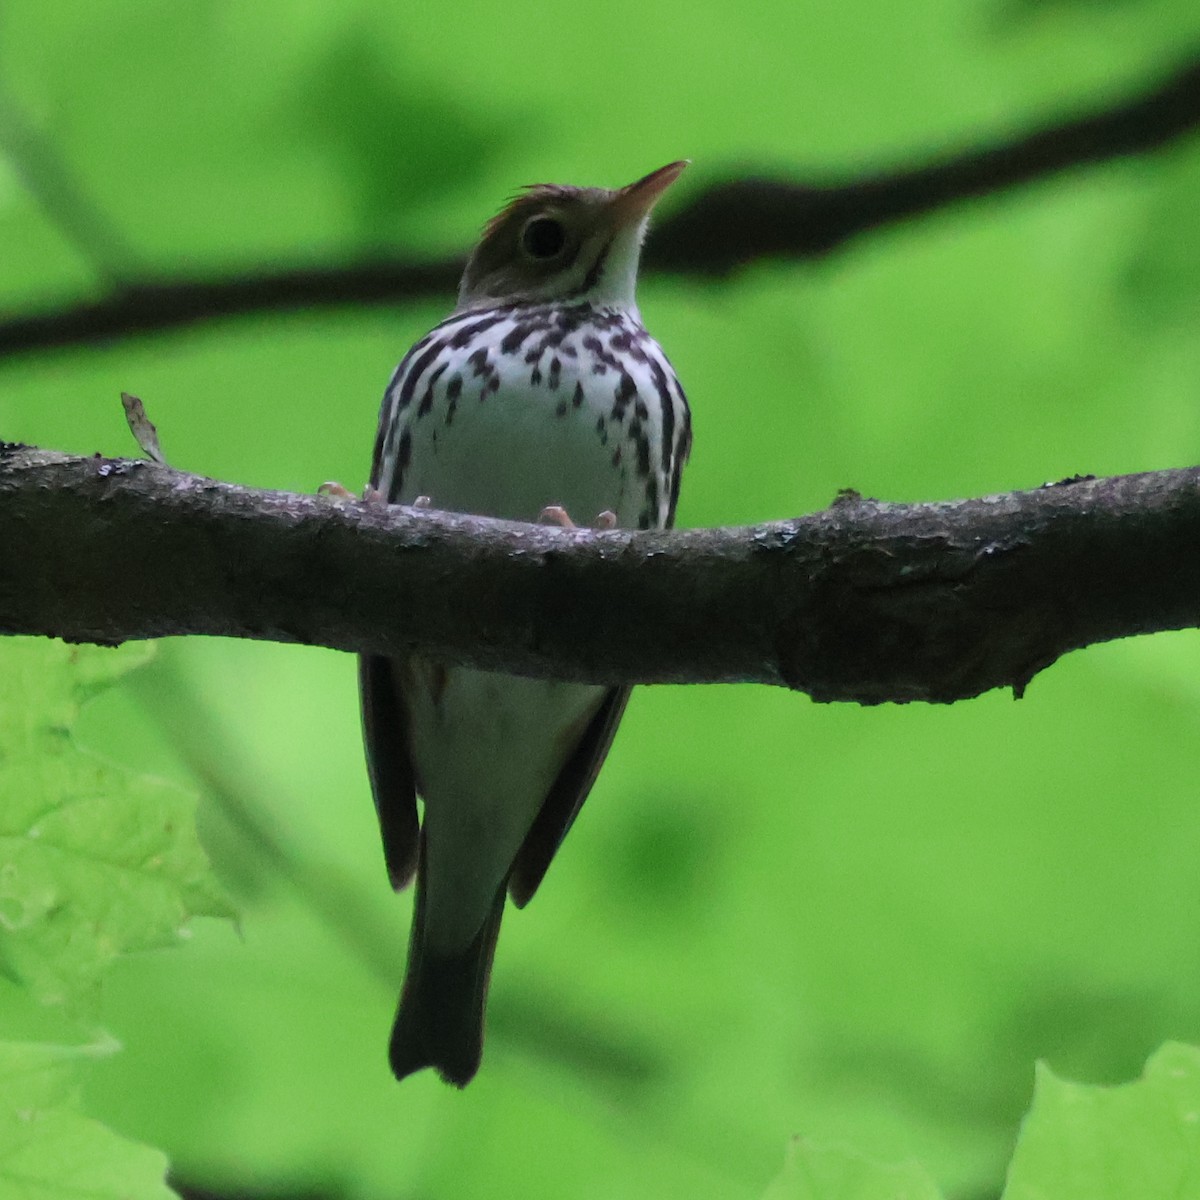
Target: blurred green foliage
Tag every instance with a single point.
(48, 1149)
(1091, 1143)
(773, 918)
(96, 861)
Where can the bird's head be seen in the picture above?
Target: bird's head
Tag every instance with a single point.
(565, 243)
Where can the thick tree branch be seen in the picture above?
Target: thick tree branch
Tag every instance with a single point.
(865, 601)
(716, 231)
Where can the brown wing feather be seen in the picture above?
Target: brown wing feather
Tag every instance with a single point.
(393, 784)
(565, 798)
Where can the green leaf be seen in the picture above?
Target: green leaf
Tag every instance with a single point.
(95, 860)
(819, 1172)
(1082, 1142)
(50, 1151)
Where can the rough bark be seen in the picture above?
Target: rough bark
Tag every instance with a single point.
(865, 601)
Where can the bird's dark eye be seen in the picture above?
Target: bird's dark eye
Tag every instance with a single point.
(543, 237)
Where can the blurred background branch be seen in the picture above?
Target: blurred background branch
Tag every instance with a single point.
(55, 188)
(717, 230)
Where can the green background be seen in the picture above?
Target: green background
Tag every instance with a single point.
(773, 918)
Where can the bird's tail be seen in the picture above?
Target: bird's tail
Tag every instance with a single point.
(439, 1022)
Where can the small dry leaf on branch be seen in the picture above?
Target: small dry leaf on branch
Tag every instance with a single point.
(142, 428)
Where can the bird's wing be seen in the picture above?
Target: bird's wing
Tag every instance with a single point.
(385, 735)
(565, 798)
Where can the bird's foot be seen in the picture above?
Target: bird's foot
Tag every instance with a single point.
(555, 514)
(371, 495)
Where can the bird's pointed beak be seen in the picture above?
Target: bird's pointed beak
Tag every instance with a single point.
(632, 204)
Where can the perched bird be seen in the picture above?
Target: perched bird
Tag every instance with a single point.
(541, 396)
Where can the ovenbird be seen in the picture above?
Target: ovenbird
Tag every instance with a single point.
(542, 394)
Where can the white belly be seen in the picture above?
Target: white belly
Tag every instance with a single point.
(487, 749)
